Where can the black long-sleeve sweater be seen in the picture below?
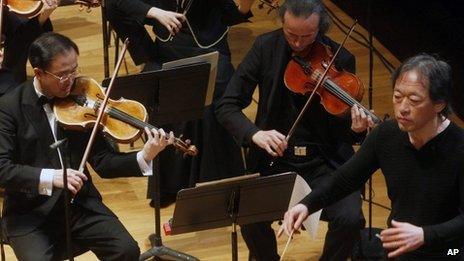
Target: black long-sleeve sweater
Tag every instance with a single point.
(425, 186)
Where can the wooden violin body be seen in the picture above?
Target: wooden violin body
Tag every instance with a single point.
(123, 120)
(79, 111)
(340, 90)
(28, 8)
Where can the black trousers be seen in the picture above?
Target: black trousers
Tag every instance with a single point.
(345, 222)
(104, 235)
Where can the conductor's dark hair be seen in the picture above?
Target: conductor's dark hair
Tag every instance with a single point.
(305, 8)
(47, 46)
(434, 73)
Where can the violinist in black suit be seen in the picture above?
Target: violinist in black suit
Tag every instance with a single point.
(321, 142)
(32, 176)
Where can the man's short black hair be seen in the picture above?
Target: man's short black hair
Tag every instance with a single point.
(305, 8)
(47, 46)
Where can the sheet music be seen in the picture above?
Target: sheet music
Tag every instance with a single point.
(300, 190)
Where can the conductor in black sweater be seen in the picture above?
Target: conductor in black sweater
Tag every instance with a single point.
(420, 154)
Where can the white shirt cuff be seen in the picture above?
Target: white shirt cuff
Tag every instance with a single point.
(46, 182)
(145, 167)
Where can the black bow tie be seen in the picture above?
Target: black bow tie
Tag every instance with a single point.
(44, 100)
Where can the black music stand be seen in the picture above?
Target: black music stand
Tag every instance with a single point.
(230, 202)
(170, 96)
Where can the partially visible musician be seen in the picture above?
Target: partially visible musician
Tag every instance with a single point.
(7, 81)
(420, 154)
(20, 32)
(321, 143)
(219, 156)
(31, 173)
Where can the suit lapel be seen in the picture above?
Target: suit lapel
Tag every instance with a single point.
(36, 116)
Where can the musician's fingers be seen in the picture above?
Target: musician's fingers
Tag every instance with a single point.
(279, 135)
(171, 138)
(169, 28)
(354, 114)
(162, 137)
(148, 133)
(362, 115)
(181, 17)
(72, 188)
(275, 147)
(300, 218)
(156, 137)
(370, 122)
(401, 250)
(288, 223)
(269, 150)
(78, 174)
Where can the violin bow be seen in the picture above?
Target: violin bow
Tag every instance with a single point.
(103, 107)
(319, 83)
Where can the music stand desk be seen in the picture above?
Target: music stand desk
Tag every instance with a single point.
(235, 201)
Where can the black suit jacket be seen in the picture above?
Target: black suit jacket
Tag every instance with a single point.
(25, 135)
(209, 20)
(19, 33)
(7, 81)
(264, 66)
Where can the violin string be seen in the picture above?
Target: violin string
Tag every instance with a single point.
(134, 121)
(127, 118)
(343, 95)
(340, 93)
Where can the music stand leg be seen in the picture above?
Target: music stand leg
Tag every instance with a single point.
(106, 41)
(234, 242)
(158, 250)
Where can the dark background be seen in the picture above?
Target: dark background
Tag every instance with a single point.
(410, 27)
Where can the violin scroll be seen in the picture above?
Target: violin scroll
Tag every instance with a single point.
(185, 146)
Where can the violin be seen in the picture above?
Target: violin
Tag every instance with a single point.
(340, 90)
(30, 8)
(123, 120)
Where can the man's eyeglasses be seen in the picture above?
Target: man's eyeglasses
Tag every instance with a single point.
(65, 78)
